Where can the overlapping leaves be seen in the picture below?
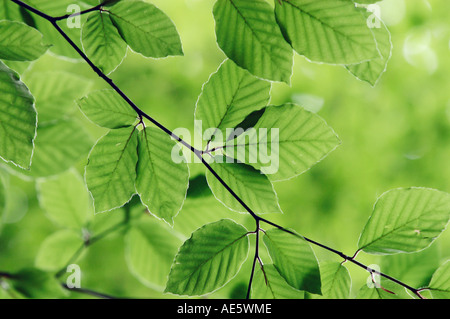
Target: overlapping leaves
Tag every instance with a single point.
(127, 160)
(18, 119)
(197, 268)
(282, 142)
(260, 39)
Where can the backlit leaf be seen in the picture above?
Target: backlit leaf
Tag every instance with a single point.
(248, 34)
(249, 184)
(209, 259)
(17, 119)
(20, 42)
(405, 220)
(161, 183)
(111, 170)
(146, 29)
(294, 259)
(331, 31)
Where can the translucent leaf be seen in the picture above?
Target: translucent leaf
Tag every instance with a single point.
(3, 195)
(59, 46)
(65, 199)
(336, 280)
(111, 170)
(57, 250)
(20, 42)
(55, 93)
(9, 11)
(146, 29)
(415, 269)
(269, 284)
(161, 183)
(440, 282)
(209, 259)
(102, 42)
(59, 146)
(150, 248)
(330, 31)
(249, 184)
(286, 141)
(17, 119)
(405, 220)
(16, 205)
(51, 7)
(229, 96)
(294, 259)
(248, 34)
(200, 210)
(106, 108)
(374, 293)
(371, 71)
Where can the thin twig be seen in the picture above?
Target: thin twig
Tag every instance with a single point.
(96, 8)
(255, 258)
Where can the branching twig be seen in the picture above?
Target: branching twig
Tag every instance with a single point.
(255, 258)
(197, 152)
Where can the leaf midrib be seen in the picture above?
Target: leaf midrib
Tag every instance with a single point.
(196, 269)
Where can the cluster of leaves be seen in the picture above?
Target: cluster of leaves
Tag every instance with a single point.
(135, 159)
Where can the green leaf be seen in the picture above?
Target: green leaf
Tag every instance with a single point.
(336, 280)
(416, 269)
(229, 96)
(9, 11)
(16, 204)
(294, 259)
(250, 185)
(51, 7)
(285, 142)
(3, 195)
(106, 108)
(57, 250)
(390, 290)
(17, 119)
(111, 170)
(248, 34)
(55, 93)
(268, 284)
(365, 1)
(146, 29)
(405, 220)
(150, 248)
(59, 8)
(59, 146)
(440, 282)
(198, 211)
(371, 71)
(161, 183)
(20, 42)
(65, 199)
(330, 31)
(209, 259)
(18, 66)
(37, 284)
(102, 42)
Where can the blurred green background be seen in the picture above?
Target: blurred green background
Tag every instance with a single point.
(394, 135)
